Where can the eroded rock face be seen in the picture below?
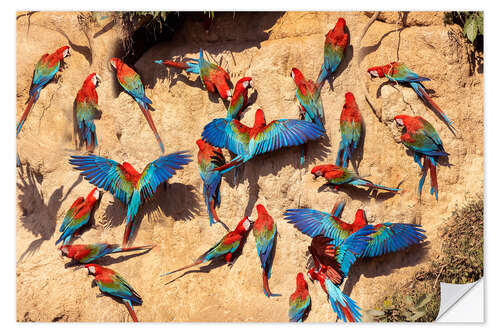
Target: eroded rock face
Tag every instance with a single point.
(176, 219)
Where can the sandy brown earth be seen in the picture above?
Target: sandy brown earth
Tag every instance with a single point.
(264, 46)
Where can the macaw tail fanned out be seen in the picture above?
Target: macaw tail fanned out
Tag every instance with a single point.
(128, 305)
(345, 308)
(420, 90)
(31, 101)
(392, 237)
(147, 114)
(364, 182)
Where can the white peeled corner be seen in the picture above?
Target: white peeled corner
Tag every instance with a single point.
(462, 303)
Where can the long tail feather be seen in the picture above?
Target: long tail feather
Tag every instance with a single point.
(323, 74)
(231, 165)
(130, 309)
(147, 114)
(265, 283)
(31, 101)
(197, 262)
(135, 248)
(420, 90)
(173, 64)
(434, 181)
(364, 182)
(424, 174)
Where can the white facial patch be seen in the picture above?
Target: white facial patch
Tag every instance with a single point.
(113, 63)
(96, 79)
(246, 224)
(374, 73)
(229, 93)
(399, 122)
(96, 195)
(66, 53)
(64, 250)
(92, 269)
(293, 75)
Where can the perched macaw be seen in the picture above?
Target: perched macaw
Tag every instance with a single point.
(423, 140)
(264, 231)
(310, 105)
(400, 73)
(300, 301)
(210, 158)
(45, 69)
(239, 101)
(351, 124)
(132, 84)
(388, 237)
(77, 216)
(338, 176)
(212, 76)
(85, 109)
(331, 266)
(112, 283)
(227, 246)
(335, 43)
(125, 183)
(247, 142)
(86, 253)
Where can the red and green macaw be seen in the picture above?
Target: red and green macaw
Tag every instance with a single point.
(400, 73)
(335, 43)
(132, 84)
(247, 142)
(331, 266)
(264, 231)
(210, 158)
(227, 246)
(339, 176)
(212, 76)
(311, 107)
(86, 253)
(110, 282)
(387, 238)
(300, 301)
(351, 124)
(45, 69)
(86, 107)
(239, 101)
(421, 138)
(77, 216)
(125, 183)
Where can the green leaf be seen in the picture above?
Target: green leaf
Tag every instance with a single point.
(470, 28)
(423, 300)
(480, 24)
(417, 315)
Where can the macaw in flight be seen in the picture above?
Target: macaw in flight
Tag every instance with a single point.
(331, 266)
(132, 84)
(45, 69)
(125, 183)
(422, 139)
(400, 73)
(247, 142)
(387, 238)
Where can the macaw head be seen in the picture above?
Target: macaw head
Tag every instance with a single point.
(297, 75)
(301, 282)
(360, 219)
(312, 274)
(201, 144)
(94, 79)
(244, 83)
(244, 225)
(340, 25)
(377, 71)
(93, 269)
(130, 169)
(115, 63)
(64, 250)
(349, 98)
(63, 52)
(320, 170)
(261, 210)
(402, 120)
(93, 196)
